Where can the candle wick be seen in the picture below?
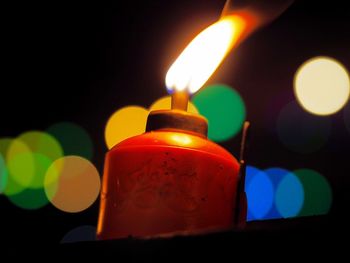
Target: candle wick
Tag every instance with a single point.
(179, 100)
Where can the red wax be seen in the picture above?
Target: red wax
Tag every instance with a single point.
(166, 183)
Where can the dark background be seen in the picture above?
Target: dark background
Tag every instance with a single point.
(81, 62)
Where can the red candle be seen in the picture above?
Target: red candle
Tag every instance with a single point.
(169, 180)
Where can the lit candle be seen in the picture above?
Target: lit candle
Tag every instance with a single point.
(171, 179)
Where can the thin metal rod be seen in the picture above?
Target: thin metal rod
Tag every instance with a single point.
(245, 134)
(240, 196)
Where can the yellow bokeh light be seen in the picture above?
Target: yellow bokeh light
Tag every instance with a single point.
(12, 186)
(164, 103)
(42, 143)
(322, 86)
(72, 184)
(20, 162)
(22, 168)
(124, 123)
(203, 55)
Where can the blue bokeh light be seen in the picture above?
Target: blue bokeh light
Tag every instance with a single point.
(79, 234)
(250, 172)
(260, 193)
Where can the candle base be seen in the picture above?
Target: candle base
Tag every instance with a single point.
(177, 120)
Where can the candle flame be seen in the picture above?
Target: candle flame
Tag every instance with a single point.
(203, 55)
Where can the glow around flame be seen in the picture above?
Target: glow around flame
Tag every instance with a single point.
(203, 55)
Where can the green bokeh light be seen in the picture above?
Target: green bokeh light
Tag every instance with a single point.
(224, 109)
(73, 139)
(29, 169)
(317, 192)
(3, 174)
(42, 164)
(12, 187)
(42, 143)
(30, 199)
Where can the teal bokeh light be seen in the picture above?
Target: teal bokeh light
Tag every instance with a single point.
(276, 174)
(3, 174)
(289, 196)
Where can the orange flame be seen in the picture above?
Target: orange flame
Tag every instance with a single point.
(203, 55)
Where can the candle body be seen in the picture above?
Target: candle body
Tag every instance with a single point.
(166, 183)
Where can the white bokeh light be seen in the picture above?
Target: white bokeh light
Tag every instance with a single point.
(322, 86)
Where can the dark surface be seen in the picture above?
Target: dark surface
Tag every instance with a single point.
(299, 239)
(81, 62)
(307, 238)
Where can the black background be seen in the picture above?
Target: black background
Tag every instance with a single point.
(81, 62)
